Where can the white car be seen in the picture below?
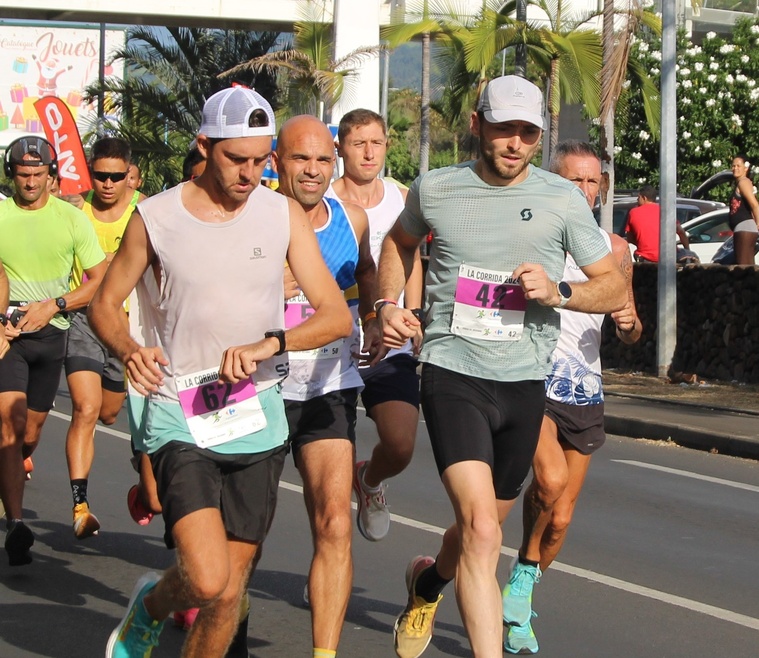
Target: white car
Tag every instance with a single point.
(708, 232)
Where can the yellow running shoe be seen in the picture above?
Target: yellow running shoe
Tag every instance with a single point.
(413, 628)
(86, 523)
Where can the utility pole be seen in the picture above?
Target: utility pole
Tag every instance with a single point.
(520, 52)
(667, 281)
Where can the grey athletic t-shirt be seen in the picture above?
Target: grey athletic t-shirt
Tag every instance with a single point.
(496, 229)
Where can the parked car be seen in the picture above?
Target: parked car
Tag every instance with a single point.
(708, 232)
(687, 209)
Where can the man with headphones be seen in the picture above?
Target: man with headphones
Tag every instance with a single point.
(36, 320)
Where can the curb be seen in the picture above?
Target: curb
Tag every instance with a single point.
(683, 435)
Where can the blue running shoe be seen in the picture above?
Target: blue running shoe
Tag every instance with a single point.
(520, 639)
(517, 595)
(137, 633)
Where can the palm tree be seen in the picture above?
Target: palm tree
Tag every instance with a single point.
(312, 79)
(170, 72)
(429, 20)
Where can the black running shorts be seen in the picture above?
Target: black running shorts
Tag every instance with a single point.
(582, 427)
(33, 365)
(328, 416)
(243, 487)
(473, 419)
(391, 380)
(85, 352)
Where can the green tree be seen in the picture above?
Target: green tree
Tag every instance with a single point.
(718, 88)
(170, 72)
(617, 68)
(311, 78)
(427, 20)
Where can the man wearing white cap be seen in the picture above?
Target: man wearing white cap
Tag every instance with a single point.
(206, 259)
(501, 229)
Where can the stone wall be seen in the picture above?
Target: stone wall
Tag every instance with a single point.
(717, 324)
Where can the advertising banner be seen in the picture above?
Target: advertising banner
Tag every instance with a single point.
(41, 61)
(61, 132)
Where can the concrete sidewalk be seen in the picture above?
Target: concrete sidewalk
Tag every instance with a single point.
(727, 431)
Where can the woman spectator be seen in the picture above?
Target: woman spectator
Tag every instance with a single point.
(744, 212)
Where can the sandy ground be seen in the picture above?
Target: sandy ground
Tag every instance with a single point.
(742, 397)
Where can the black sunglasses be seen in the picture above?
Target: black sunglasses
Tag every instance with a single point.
(115, 176)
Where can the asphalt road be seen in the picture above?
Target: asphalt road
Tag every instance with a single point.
(661, 560)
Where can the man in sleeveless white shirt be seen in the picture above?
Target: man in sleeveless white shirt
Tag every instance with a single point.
(391, 388)
(96, 378)
(322, 387)
(572, 428)
(206, 259)
(501, 229)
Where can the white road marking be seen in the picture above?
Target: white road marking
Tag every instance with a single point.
(98, 428)
(671, 599)
(689, 474)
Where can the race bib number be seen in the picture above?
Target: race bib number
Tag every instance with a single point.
(217, 413)
(298, 310)
(489, 305)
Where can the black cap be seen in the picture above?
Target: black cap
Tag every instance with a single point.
(42, 151)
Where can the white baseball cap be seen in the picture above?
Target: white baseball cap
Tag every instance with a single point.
(512, 98)
(226, 114)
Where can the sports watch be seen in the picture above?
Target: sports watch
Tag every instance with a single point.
(60, 302)
(279, 334)
(565, 293)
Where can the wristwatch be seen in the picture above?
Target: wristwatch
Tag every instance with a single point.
(279, 334)
(60, 302)
(565, 293)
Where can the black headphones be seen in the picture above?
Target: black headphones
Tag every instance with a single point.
(17, 149)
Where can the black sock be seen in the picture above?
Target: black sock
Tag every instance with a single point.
(429, 584)
(529, 563)
(79, 490)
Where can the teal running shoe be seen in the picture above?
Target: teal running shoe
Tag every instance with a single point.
(517, 595)
(137, 634)
(520, 639)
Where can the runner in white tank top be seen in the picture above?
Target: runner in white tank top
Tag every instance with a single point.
(391, 388)
(214, 412)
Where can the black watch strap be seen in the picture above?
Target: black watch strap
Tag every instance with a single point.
(279, 334)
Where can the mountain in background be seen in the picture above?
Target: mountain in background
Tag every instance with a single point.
(406, 67)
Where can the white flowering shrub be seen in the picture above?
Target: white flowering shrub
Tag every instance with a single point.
(717, 111)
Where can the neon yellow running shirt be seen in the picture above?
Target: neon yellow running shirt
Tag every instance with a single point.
(109, 233)
(38, 248)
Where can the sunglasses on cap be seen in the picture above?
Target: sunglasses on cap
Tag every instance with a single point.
(115, 176)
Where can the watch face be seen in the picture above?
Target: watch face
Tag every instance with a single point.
(565, 290)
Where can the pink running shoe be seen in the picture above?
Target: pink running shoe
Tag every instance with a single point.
(185, 618)
(137, 510)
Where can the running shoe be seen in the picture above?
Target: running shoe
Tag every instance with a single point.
(28, 467)
(306, 600)
(18, 541)
(517, 595)
(137, 633)
(413, 628)
(86, 524)
(184, 619)
(373, 517)
(137, 510)
(520, 639)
